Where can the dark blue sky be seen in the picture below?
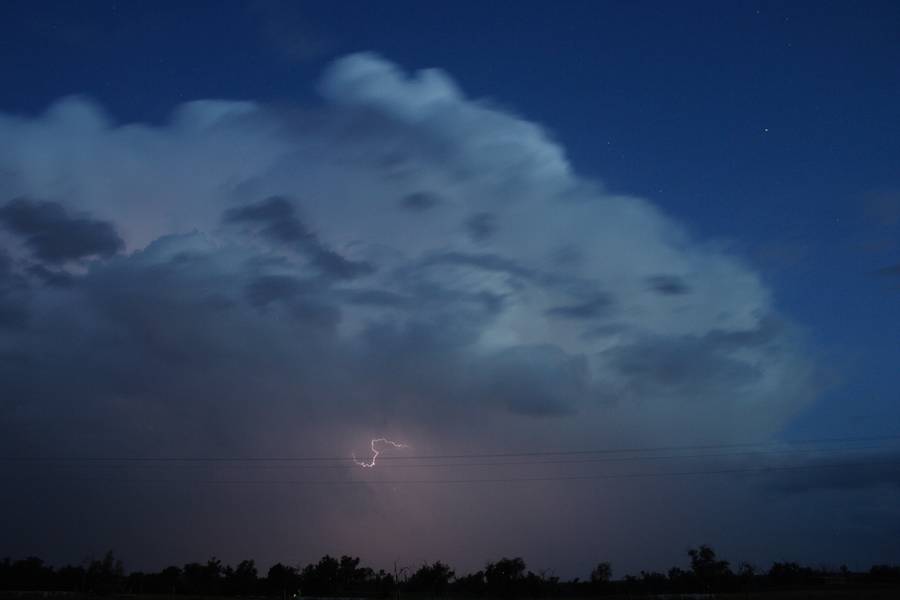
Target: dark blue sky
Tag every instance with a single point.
(770, 126)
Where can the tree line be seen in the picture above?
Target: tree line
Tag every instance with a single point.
(506, 578)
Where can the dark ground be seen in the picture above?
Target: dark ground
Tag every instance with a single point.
(887, 593)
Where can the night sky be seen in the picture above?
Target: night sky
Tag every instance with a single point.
(645, 254)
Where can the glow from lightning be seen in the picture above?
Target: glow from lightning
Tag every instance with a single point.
(375, 451)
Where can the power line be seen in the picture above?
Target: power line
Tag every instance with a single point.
(632, 450)
(576, 461)
(484, 480)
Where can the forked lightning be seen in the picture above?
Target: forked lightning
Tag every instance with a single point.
(375, 451)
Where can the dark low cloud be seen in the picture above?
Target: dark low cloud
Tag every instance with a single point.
(13, 314)
(13, 311)
(5, 264)
(883, 207)
(420, 201)
(264, 290)
(702, 369)
(277, 219)
(567, 255)
(484, 261)
(860, 471)
(891, 271)
(54, 277)
(598, 306)
(333, 264)
(374, 297)
(537, 381)
(300, 300)
(481, 226)
(55, 235)
(668, 285)
(684, 367)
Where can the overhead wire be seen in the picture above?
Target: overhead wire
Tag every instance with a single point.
(407, 457)
(750, 470)
(532, 459)
(505, 463)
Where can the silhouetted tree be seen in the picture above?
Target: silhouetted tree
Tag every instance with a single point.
(431, 579)
(746, 576)
(601, 574)
(539, 585)
(653, 583)
(320, 579)
(680, 580)
(505, 576)
(504, 579)
(136, 582)
(351, 578)
(70, 578)
(27, 574)
(600, 578)
(789, 574)
(242, 580)
(885, 573)
(470, 586)
(168, 580)
(105, 576)
(203, 579)
(384, 585)
(282, 581)
(709, 571)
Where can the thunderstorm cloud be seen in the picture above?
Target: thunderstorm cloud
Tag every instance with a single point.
(400, 260)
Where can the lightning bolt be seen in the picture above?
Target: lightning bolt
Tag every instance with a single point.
(375, 451)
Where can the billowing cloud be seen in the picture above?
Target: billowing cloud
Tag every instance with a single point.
(402, 260)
